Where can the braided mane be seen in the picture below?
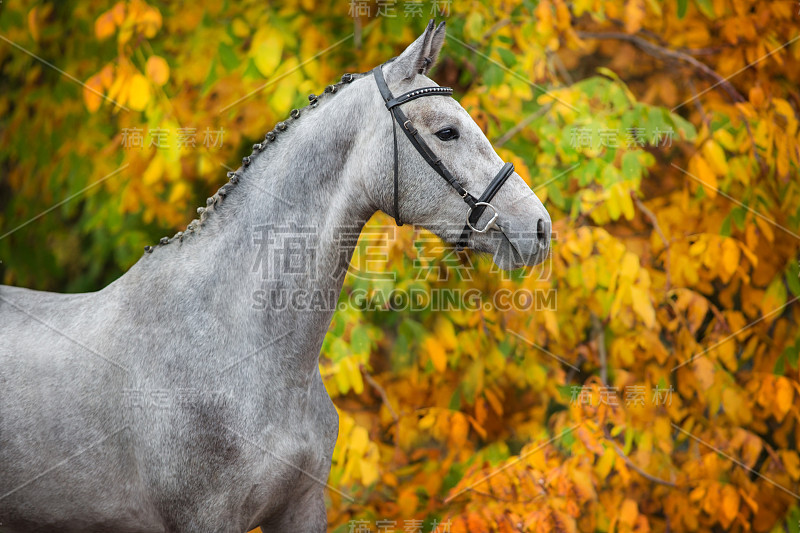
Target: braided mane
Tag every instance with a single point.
(217, 199)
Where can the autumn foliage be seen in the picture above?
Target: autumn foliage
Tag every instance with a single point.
(658, 392)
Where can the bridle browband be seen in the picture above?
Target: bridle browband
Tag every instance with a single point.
(476, 206)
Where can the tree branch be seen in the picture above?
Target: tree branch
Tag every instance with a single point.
(599, 334)
(633, 465)
(522, 125)
(666, 53)
(381, 391)
(654, 222)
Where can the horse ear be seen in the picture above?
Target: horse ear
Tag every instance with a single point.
(420, 56)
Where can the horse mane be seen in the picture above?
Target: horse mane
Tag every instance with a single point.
(217, 198)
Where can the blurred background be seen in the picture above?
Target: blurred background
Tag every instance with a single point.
(645, 378)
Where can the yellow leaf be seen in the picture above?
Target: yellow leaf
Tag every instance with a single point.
(784, 108)
(726, 352)
(359, 440)
(700, 169)
(92, 92)
(341, 378)
(630, 266)
(629, 513)
(473, 27)
(613, 203)
(774, 299)
(180, 192)
(150, 22)
(726, 140)
(791, 462)
(427, 421)
(715, 156)
(266, 50)
(765, 228)
(154, 171)
(354, 375)
(730, 505)
(784, 396)
(643, 307)
(119, 87)
(139, 92)
(494, 401)
(436, 353)
(582, 484)
(551, 323)
(240, 28)
(731, 403)
(445, 332)
(157, 70)
(731, 253)
(634, 15)
(605, 463)
(369, 472)
(282, 98)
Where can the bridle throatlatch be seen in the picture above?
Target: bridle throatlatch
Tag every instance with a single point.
(476, 206)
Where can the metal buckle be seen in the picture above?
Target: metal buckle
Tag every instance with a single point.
(489, 225)
(409, 130)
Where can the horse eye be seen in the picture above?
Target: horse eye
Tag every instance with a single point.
(447, 134)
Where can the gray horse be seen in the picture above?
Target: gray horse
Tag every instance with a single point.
(172, 400)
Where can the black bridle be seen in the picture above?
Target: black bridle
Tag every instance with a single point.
(476, 206)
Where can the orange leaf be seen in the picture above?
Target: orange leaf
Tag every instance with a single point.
(437, 354)
(104, 26)
(628, 513)
(784, 397)
(702, 171)
(634, 15)
(91, 93)
(33, 23)
(459, 429)
(730, 505)
(157, 70)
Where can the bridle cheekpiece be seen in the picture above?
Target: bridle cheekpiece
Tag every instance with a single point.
(477, 206)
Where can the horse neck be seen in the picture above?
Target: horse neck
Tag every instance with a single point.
(305, 192)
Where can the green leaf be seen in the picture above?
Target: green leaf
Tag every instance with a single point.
(725, 229)
(631, 166)
(493, 75)
(739, 215)
(211, 77)
(227, 56)
(780, 366)
(508, 56)
(359, 340)
(682, 5)
(455, 399)
(793, 277)
(706, 8)
(791, 354)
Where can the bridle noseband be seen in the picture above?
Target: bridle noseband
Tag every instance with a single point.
(476, 206)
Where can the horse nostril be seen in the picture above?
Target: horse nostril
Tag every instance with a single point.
(540, 231)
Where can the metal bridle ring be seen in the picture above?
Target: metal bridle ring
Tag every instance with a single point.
(490, 224)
